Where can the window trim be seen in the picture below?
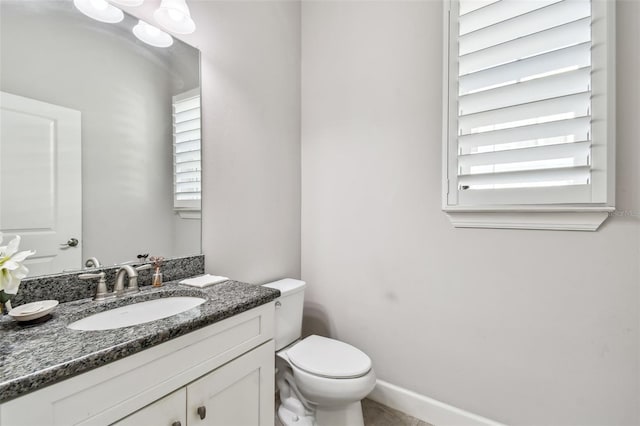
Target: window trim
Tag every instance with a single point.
(580, 216)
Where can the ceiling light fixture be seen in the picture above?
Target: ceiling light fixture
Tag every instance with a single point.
(129, 3)
(99, 10)
(174, 16)
(152, 35)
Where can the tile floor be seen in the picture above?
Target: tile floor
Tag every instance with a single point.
(380, 415)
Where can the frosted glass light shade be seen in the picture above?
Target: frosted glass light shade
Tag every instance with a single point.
(130, 3)
(99, 10)
(174, 16)
(152, 35)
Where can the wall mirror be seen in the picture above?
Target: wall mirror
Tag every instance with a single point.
(99, 139)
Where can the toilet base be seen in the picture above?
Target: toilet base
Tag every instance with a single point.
(289, 418)
(349, 415)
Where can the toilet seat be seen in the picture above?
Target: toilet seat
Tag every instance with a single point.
(329, 358)
(331, 392)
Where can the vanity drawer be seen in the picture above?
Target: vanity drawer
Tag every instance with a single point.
(109, 393)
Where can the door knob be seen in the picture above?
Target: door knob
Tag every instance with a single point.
(71, 243)
(202, 412)
(176, 424)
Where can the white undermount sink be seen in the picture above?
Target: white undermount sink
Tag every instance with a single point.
(137, 313)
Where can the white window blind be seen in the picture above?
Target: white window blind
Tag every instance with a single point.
(523, 79)
(186, 151)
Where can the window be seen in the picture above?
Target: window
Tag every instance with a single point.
(187, 168)
(529, 108)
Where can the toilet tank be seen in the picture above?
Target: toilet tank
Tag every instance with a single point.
(288, 327)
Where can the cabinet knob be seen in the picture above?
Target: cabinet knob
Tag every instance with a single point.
(176, 424)
(202, 412)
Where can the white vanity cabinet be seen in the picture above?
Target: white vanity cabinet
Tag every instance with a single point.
(238, 393)
(222, 374)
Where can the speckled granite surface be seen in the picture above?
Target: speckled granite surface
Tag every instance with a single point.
(34, 356)
(66, 287)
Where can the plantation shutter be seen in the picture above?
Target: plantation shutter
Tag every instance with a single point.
(186, 151)
(523, 115)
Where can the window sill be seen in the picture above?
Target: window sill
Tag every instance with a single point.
(189, 214)
(547, 218)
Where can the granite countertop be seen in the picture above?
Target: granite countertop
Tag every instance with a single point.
(37, 355)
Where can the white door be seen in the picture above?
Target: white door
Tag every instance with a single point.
(240, 393)
(41, 181)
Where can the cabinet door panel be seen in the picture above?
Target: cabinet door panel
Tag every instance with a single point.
(167, 411)
(240, 393)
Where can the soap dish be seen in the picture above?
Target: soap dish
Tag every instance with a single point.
(35, 310)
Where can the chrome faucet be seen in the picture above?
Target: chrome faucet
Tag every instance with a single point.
(132, 273)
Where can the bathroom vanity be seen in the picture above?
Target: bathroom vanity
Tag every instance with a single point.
(210, 365)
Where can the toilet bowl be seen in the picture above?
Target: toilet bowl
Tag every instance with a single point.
(321, 380)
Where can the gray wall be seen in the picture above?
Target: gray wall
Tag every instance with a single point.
(524, 327)
(52, 53)
(251, 130)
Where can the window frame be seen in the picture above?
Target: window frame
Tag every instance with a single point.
(565, 216)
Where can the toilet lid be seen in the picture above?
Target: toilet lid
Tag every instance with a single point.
(329, 358)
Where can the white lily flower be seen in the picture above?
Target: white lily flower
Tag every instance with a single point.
(12, 271)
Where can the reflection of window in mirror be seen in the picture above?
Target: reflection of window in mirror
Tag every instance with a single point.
(187, 167)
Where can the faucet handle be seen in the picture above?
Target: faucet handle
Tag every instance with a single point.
(92, 276)
(143, 267)
(101, 291)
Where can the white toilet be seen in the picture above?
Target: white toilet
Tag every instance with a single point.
(321, 380)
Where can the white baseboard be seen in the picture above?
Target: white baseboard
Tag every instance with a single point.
(424, 408)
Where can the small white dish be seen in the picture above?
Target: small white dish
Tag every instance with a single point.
(35, 310)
